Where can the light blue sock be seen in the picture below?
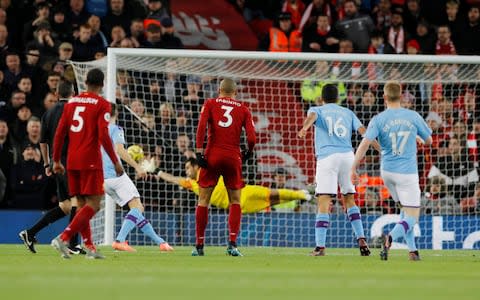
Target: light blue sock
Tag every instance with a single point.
(322, 222)
(356, 221)
(131, 219)
(147, 229)
(409, 236)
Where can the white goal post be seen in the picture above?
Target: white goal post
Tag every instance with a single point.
(279, 87)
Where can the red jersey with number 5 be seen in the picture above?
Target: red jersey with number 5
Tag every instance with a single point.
(85, 119)
(225, 118)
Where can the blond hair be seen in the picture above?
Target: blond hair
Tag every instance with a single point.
(392, 90)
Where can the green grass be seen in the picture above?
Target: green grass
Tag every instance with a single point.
(263, 273)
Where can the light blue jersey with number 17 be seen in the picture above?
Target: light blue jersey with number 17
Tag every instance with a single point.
(397, 130)
(333, 129)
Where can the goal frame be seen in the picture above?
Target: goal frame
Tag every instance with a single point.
(113, 55)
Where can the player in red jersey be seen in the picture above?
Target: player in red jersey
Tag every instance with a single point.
(225, 118)
(85, 119)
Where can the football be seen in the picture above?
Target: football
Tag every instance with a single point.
(135, 152)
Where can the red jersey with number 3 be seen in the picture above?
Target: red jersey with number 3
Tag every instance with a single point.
(225, 118)
(85, 119)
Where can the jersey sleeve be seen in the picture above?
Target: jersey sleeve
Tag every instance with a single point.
(422, 128)
(190, 185)
(202, 124)
(103, 134)
(315, 111)
(118, 136)
(372, 130)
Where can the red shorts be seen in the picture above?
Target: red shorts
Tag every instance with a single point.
(229, 166)
(85, 182)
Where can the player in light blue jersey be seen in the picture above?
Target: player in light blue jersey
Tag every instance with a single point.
(123, 191)
(333, 149)
(396, 130)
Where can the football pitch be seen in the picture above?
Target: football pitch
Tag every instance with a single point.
(263, 273)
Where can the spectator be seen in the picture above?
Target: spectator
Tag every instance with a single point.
(412, 16)
(444, 45)
(44, 42)
(355, 27)
(49, 101)
(470, 205)
(4, 45)
(319, 38)
(77, 15)
(53, 78)
(296, 8)
(7, 158)
(14, 70)
(4, 92)
(153, 36)
(28, 181)
(166, 124)
(98, 36)
(425, 38)
(33, 68)
(84, 47)
(118, 14)
(436, 200)
(61, 29)
(19, 126)
(469, 42)
(315, 9)
(454, 21)
(458, 171)
(169, 40)
(382, 15)
(413, 47)
(175, 156)
(282, 36)
(8, 112)
(117, 35)
(173, 84)
(466, 108)
(396, 34)
(156, 12)
(33, 135)
(192, 99)
(137, 31)
(42, 13)
(367, 108)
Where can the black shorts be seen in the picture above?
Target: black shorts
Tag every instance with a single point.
(62, 187)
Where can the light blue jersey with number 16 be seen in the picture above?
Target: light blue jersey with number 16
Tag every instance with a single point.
(397, 130)
(333, 129)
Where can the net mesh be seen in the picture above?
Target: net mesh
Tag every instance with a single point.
(161, 98)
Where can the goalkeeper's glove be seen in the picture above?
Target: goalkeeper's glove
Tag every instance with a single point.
(246, 154)
(201, 160)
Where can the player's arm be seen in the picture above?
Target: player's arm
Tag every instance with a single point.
(123, 153)
(46, 159)
(250, 130)
(106, 141)
(359, 155)
(307, 123)
(362, 130)
(60, 135)
(170, 178)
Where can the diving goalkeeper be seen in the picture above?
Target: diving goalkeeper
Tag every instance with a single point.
(254, 198)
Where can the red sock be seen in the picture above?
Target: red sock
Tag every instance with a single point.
(81, 220)
(86, 233)
(201, 220)
(234, 218)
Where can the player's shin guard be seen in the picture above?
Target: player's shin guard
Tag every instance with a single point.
(234, 220)
(356, 221)
(75, 238)
(322, 222)
(201, 221)
(81, 220)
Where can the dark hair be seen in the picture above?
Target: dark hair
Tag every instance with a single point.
(192, 161)
(330, 93)
(95, 77)
(114, 109)
(65, 89)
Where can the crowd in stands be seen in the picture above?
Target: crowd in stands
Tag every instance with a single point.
(160, 111)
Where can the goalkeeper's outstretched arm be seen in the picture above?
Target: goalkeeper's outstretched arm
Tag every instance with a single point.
(169, 177)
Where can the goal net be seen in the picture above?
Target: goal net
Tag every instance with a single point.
(161, 92)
